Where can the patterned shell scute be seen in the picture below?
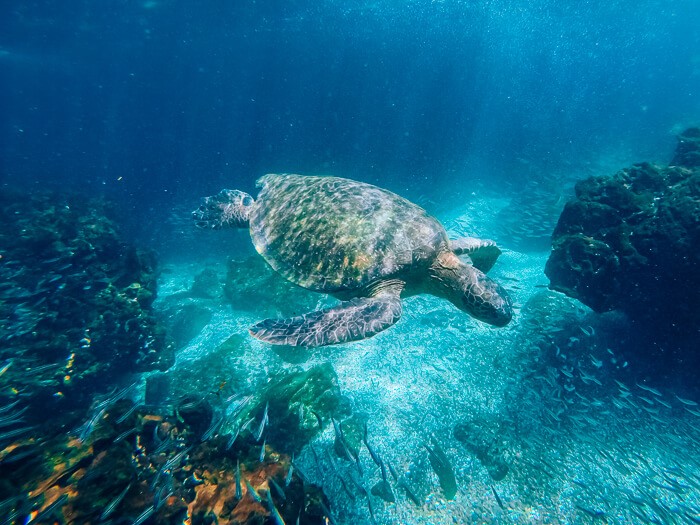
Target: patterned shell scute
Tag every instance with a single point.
(330, 234)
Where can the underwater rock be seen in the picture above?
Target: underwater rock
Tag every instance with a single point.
(629, 242)
(206, 284)
(483, 437)
(185, 321)
(75, 306)
(253, 285)
(688, 150)
(218, 372)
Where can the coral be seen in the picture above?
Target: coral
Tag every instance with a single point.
(75, 304)
(300, 403)
(629, 242)
(160, 464)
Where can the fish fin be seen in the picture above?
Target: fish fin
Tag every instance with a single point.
(482, 252)
(352, 320)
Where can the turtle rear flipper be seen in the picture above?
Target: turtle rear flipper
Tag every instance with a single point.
(226, 209)
(352, 320)
(482, 252)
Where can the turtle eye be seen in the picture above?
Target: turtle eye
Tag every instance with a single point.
(247, 200)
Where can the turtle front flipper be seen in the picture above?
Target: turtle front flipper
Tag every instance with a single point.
(482, 252)
(226, 209)
(352, 320)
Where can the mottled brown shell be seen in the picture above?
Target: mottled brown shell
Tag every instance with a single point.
(330, 234)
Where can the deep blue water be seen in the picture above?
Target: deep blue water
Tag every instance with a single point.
(154, 102)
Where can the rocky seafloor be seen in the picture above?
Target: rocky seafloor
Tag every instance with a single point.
(172, 414)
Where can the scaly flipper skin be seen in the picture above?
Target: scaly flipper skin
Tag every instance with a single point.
(482, 252)
(359, 318)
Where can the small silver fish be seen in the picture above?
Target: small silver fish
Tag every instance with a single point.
(688, 402)
(124, 435)
(217, 421)
(232, 439)
(6, 367)
(109, 509)
(175, 460)
(144, 515)
(278, 489)
(239, 494)
(247, 424)
(253, 493)
(694, 412)
(126, 414)
(89, 425)
(261, 428)
(276, 516)
(411, 495)
(498, 498)
(372, 453)
(650, 390)
(288, 477)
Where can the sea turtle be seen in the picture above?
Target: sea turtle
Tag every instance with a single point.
(362, 244)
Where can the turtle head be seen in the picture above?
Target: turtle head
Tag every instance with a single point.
(226, 209)
(470, 290)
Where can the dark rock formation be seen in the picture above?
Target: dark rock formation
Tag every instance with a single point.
(75, 305)
(630, 242)
(185, 320)
(252, 285)
(206, 284)
(485, 439)
(688, 151)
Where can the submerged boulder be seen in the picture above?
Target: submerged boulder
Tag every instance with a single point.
(629, 242)
(485, 439)
(688, 150)
(252, 285)
(206, 284)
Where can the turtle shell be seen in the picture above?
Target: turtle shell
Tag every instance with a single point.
(331, 234)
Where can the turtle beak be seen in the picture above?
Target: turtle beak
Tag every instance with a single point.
(487, 301)
(497, 309)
